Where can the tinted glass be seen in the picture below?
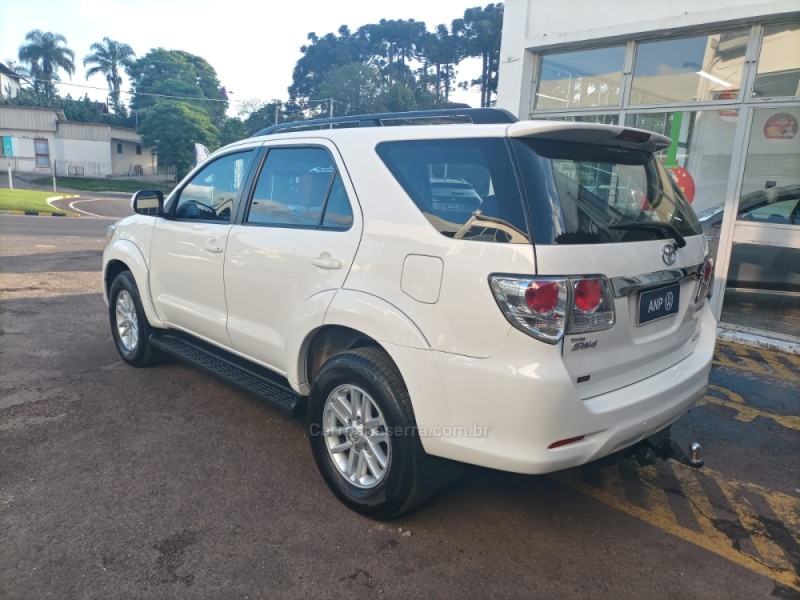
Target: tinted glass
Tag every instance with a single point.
(338, 213)
(591, 194)
(466, 188)
(292, 187)
(210, 194)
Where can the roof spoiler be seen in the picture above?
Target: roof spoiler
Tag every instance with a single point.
(591, 133)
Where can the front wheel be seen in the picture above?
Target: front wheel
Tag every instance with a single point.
(129, 324)
(364, 437)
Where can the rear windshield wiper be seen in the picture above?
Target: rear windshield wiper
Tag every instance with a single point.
(652, 225)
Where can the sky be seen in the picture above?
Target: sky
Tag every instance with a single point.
(252, 45)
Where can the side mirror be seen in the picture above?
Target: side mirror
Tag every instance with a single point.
(148, 202)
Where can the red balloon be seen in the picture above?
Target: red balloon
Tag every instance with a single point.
(685, 181)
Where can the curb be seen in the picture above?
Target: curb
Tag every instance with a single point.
(757, 339)
(52, 199)
(37, 213)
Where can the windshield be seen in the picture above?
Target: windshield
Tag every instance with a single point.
(593, 194)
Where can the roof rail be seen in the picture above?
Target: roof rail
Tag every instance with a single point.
(477, 116)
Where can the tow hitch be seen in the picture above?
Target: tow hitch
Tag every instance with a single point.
(662, 446)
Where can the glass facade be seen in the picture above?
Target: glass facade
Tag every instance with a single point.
(691, 69)
(585, 78)
(730, 102)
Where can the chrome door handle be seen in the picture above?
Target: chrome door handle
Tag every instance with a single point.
(216, 249)
(326, 263)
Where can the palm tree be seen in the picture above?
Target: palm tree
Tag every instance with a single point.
(46, 53)
(108, 57)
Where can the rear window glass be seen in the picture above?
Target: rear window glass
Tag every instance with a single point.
(594, 194)
(466, 188)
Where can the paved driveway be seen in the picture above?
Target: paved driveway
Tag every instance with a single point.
(163, 483)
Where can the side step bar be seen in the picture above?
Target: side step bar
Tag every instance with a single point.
(257, 380)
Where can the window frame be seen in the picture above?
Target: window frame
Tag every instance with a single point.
(247, 201)
(174, 199)
(37, 155)
(747, 83)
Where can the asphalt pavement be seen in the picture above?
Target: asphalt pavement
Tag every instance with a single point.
(118, 482)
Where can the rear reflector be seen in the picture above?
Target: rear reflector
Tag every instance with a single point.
(560, 443)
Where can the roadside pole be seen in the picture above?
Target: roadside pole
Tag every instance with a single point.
(10, 179)
(54, 176)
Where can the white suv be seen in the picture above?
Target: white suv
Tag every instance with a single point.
(550, 311)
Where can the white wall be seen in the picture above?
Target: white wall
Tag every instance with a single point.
(92, 157)
(533, 25)
(24, 159)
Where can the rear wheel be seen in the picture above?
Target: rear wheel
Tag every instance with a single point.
(129, 324)
(364, 437)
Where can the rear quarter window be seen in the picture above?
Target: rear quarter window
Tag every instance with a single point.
(465, 188)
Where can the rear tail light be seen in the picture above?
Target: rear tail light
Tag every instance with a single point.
(548, 307)
(593, 305)
(706, 275)
(542, 297)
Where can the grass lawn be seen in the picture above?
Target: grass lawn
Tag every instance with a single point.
(26, 200)
(102, 185)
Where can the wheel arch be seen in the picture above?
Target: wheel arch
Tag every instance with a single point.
(125, 256)
(352, 320)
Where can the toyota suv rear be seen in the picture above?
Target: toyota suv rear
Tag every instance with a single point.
(527, 296)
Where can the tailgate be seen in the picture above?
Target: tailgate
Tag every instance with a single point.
(657, 320)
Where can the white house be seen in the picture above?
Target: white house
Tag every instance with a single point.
(41, 139)
(10, 82)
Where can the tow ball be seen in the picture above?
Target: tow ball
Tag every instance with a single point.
(661, 445)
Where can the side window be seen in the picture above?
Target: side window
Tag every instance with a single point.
(782, 211)
(465, 188)
(210, 194)
(338, 212)
(293, 188)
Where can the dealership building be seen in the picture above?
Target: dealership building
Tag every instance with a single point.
(721, 78)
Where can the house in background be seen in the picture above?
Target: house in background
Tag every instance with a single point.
(10, 82)
(39, 140)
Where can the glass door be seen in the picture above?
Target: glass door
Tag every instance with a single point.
(762, 288)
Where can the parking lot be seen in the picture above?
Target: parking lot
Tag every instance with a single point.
(163, 482)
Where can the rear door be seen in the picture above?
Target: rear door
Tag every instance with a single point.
(601, 205)
(296, 241)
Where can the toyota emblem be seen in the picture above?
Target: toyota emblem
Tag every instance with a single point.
(668, 254)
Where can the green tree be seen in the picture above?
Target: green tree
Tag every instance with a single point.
(265, 116)
(173, 127)
(175, 74)
(321, 56)
(355, 89)
(398, 98)
(480, 31)
(443, 50)
(45, 54)
(107, 59)
(232, 130)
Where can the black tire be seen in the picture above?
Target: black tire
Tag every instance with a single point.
(142, 354)
(408, 480)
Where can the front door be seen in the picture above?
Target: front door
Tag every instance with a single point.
(297, 240)
(188, 248)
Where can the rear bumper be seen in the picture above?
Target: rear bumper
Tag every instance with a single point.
(503, 412)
